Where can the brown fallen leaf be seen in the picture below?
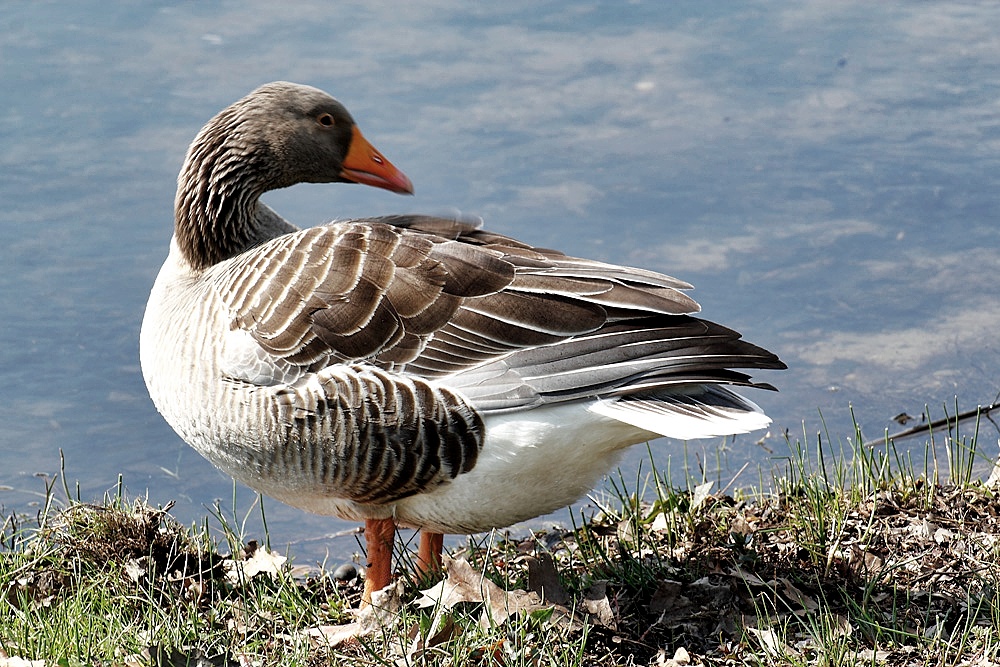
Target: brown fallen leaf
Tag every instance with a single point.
(463, 583)
(543, 579)
(444, 630)
(793, 593)
(665, 596)
(381, 615)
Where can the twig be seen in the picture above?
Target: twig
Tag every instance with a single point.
(944, 421)
(733, 480)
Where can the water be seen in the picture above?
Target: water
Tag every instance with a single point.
(824, 173)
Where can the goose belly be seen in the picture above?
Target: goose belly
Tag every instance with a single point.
(532, 463)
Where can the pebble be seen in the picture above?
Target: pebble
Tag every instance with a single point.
(346, 572)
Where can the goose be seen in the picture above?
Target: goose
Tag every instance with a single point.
(409, 370)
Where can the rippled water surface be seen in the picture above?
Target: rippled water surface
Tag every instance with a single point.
(826, 174)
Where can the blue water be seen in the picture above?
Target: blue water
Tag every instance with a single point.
(826, 174)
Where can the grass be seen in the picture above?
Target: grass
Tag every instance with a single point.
(862, 555)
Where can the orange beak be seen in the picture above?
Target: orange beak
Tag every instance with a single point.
(364, 164)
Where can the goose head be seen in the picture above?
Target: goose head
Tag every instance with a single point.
(278, 135)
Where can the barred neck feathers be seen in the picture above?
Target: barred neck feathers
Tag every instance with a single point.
(218, 188)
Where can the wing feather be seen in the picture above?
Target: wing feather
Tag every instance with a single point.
(436, 297)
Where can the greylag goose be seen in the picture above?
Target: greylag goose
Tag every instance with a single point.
(409, 370)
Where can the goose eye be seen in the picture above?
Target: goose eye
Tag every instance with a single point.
(326, 120)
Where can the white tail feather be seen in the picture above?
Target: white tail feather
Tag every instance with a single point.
(688, 418)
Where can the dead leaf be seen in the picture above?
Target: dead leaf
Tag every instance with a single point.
(20, 662)
(793, 593)
(701, 494)
(750, 578)
(418, 645)
(943, 535)
(681, 658)
(920, 528)
(771, 643)
(740, 526)
(543, 579)
(261, 561)
(463, 583)
(873, 657)
(665, 596)
(841, 627)
(993, 481)
(133, 660)
(626, 531)
(136, 568)
(381, 615)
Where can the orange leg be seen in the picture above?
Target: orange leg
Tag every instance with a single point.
(429, 555)
(379, 535)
